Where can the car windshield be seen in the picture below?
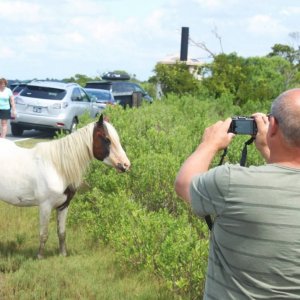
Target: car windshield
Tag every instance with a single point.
(126, 87)
(43, 92)
(122, 87)
(100, 95)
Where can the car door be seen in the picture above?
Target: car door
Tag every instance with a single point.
(77, 104)
(90, 106)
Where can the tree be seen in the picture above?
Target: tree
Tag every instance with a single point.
(291, 55)
(254, 78)
(81, 79)
(175, 78)
(265, 78)
(287, 52)
(223, 75)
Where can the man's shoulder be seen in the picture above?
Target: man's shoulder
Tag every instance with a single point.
(250, 169)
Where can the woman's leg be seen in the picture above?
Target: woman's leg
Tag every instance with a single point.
(3, 128)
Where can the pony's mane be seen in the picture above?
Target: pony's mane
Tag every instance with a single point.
(69, 155)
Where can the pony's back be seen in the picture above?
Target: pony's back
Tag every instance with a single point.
(9, 150)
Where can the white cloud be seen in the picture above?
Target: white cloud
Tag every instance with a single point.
(74, 38)
(20, 11)
(7, 52)
(215, 4)
(265, 25)
(31, 43)
(84, 7)
(154, 20)
(290, 11)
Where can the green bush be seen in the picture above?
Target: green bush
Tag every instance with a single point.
(169, 246)
(138, 213)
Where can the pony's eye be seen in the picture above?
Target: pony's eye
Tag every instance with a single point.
(107, 140)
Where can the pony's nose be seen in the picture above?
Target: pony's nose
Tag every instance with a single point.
(123, 167)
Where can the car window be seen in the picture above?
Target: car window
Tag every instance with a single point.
(100, 95)
(18, 88)
(43, 92)
(126, 87)
(84, 96)
(76, 96)
(122, 87)
(138, 89)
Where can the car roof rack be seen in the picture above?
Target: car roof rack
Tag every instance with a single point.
(115, 76)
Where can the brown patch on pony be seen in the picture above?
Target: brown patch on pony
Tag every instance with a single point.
(101, 142)
(70, 194)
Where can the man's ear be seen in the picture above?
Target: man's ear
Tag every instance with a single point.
(273, 126)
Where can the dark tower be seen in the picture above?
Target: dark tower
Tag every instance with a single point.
(184, 43)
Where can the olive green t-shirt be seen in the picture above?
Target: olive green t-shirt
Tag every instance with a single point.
(255, 241)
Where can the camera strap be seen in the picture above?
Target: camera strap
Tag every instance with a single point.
(208, 219)
(245, 152)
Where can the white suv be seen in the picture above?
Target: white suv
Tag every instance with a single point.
(51, 105)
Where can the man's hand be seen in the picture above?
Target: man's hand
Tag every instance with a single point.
(217, 136)
(261, 144)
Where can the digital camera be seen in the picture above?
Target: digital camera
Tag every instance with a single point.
(243, 125)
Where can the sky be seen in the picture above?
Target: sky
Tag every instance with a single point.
(60, 38)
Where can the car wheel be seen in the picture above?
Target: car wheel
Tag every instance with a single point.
(16, 130)
(73, 127)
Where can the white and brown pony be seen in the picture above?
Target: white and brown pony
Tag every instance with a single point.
(49, 174)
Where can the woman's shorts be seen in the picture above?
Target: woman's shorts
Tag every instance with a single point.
(4, 114)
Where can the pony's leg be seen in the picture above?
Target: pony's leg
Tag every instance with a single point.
(45, 212)
(61, 230)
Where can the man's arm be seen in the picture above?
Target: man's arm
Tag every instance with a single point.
(214, 139)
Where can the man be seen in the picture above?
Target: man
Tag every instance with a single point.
(255, 240)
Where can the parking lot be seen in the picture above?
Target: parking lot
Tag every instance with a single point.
(28, 134)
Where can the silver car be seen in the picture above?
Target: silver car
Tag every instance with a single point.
(51, 105)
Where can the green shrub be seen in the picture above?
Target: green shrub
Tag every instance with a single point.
(138, 213)
(166, 245)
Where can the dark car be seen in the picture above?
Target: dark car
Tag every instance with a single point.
(102, 98)
(125, 92)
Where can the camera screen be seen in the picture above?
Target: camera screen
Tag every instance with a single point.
(244, 127)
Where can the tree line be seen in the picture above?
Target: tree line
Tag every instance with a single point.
(244, 79)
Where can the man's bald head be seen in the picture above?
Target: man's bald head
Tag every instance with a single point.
(286, 110)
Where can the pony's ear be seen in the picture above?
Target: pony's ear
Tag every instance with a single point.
(100, 121)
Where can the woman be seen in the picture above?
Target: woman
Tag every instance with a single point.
(7, 106)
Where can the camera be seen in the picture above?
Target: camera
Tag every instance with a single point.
(243, 125)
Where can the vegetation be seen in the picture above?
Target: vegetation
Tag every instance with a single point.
(252, 79)
(89, 272)
(138, 214)
(175, 79)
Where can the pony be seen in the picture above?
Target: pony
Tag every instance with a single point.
(49, 174)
